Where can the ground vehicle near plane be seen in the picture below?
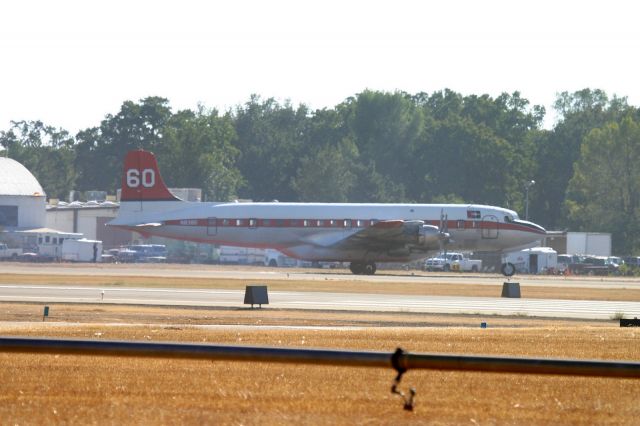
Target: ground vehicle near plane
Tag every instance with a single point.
(594, 265)
(275, 258)
(452, 262)
(7, 253)
(361, 234)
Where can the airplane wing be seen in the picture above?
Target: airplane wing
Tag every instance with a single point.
(389, 235)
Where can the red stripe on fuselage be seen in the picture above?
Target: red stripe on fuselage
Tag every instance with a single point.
(451, 225)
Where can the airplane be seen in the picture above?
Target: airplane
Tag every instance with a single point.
(361, 234)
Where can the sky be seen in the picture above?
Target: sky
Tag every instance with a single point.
(70, 63)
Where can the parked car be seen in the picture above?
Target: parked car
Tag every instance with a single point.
(596, 265)
(632, 260)
(151, 253)
(7, 253)
(565, 261)
(452, 262)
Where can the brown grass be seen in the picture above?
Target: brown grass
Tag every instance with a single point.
(40, 389)
(43, 389)
(185, 316)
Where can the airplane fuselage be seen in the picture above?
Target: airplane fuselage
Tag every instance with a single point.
(362, 234)
(309, 231)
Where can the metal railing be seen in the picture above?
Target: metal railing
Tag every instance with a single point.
(399, 360)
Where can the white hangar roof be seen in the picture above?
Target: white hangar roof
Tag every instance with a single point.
(15, 179)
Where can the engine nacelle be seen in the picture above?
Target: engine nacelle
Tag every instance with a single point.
(429, 236)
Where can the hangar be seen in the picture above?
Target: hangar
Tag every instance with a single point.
(22, 200)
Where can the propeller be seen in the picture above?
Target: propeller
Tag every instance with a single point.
(444, 232)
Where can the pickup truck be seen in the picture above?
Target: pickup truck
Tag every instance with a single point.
(7, 253)
(452, 262)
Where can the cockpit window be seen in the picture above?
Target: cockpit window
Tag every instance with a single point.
(473, 214)
(508, 218)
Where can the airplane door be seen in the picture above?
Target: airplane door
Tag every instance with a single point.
(489, 227)
(212, 226)
(533, 263)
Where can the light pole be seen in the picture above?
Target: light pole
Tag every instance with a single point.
(526, 198)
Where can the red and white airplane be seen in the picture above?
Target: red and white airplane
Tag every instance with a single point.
(362, 234)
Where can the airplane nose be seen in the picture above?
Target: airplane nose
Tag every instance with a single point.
(531, 227)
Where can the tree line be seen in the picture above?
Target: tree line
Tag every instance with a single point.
(373, 147)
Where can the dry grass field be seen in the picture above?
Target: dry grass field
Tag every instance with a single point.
(65, 389)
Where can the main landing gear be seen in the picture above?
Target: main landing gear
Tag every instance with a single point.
(359, 268)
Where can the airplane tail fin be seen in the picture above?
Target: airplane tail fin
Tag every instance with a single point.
(141, 179)
(144, 195)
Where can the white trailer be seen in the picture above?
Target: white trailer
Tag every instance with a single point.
(82, 250)
(589, 243)
(536, 260)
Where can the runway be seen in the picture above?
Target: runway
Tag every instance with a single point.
(259, 274)
(581, 309)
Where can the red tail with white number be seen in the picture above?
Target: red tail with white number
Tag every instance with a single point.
(141, 180)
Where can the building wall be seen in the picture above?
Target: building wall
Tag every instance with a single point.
(31, 209)
(90, 222)
(62, 220)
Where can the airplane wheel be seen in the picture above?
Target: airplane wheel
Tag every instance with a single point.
(508, 269)
(356, 268)
(370, 269)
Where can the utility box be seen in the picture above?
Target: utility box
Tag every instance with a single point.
(510, 289)
(627, 322)
(256, 295)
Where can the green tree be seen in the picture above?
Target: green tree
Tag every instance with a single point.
(46, 152)
(100, 150)
(386, 128)
(558, 150)
(327, 175)
(604, 192)
(475, 148)
(196, 151)
(271, 138)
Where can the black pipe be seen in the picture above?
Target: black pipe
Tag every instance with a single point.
(400, 361)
